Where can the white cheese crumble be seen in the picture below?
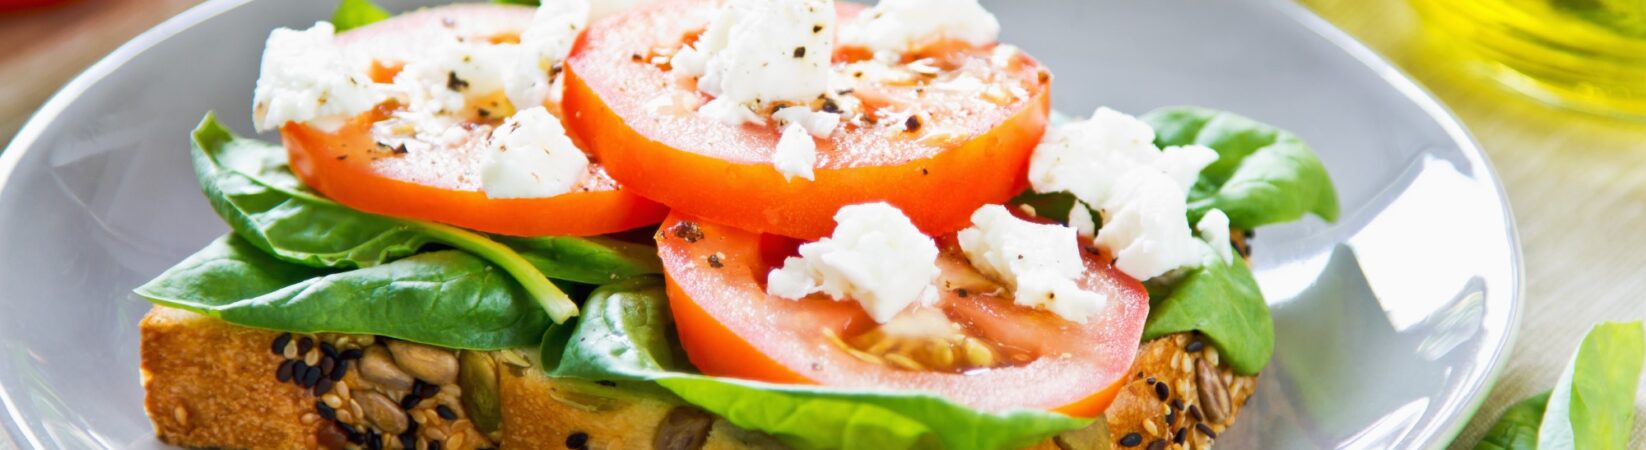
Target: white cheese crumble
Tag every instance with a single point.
(819, 124)
(306, 78)
(901, 26)
(440, 82)
(530, 156)
(1039, 262)
(1144, 225)
(795, 154)
(876, 256)
(605, 8)
(1110, 162)
(545, 42)
(1080, 218)
(756, 52)
(1214, 229)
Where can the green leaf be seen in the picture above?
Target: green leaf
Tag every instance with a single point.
(627, 333)
(1263, 175)
(591, 260)
(1221, 300)
(1517, 428)
(1592, 406)
(251, 187)
(444, 298)
(351, 14)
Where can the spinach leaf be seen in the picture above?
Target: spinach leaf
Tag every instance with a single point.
(590, 260)
(627, 333)
(1517, 428)
(351, 14)
(251, 187)
(1592, 406)
(1220, 300)
(445, 298)
(1263, 175)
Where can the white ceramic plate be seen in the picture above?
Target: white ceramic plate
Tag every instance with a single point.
(1391, 323)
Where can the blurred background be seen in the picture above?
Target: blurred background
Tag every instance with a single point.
(1554, 90)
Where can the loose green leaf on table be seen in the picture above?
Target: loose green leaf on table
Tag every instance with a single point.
(1517, 428)
(626, 333)
(250, 185)
(1263, 175)
(1593, 405)
(351, 14)
(1221, 300)
(446, 298)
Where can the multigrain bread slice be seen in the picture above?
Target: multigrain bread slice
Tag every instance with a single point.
(211, 384)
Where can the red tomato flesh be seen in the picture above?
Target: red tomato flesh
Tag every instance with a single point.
(442, 184)
(967, 147)
(729, 327)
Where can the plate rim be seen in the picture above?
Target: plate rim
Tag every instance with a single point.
(1452, 423)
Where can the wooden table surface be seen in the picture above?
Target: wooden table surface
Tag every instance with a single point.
(1577, 183)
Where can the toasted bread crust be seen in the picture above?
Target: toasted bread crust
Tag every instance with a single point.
(212, 385)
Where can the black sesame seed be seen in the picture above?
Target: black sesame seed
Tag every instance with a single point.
(429, 390)
(1161, 391)
(417, 388)
(303, 346)
(1194, 412)
(327, 364)
(1151, 381)
(1194, 346)
(323, 386)
(325, 411)
(445, 412)
(298, 370)
(1171, 417)
(1158, 444)
(410, 401)
(351, 433)
(606, 383)
(408, 440)
(800, 52)
(577, 440)
(434, 445)
(284, 372)
(353, 353)
(338, 370)
(1206, 430)
(329, 350)
(1177, 404)
(374, 441)
(1180, 435)
(280, 343)
(1131, 440)
(311, 376)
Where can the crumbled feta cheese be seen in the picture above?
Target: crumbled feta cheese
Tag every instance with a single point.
(1214, 229)
(306, 78)
(876, 256)
(756, 52)
(729, 112)
(819, 124)
(900, 26)
(529, 156)
(1111, 163)
(545, 42)
(796, 153)
(1039, 262)
(1080, 218)
(1144, 225)
(441, 81)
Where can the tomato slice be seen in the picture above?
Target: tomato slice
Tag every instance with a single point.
(968, 147)
(729, 327)
(441, 183)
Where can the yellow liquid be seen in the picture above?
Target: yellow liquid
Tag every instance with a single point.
(1586, 54)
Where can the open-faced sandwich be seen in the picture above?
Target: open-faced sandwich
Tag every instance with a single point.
(711, 224)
